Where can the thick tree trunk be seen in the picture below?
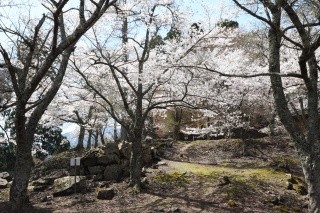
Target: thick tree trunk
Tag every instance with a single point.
(311, 170)
(308, 147)
(81, 137)
(136, 159)
(23, 164)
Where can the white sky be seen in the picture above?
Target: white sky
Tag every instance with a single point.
(215, 10)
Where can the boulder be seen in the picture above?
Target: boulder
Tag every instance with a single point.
(106, 194)
(112, 172)
(125, 149)
(111, 149)
(3, 183)
(108, 159)
(6, 176)
(65, 185)
(96, 170)
(147, 155)
(42, 182)
(125, 165)
(39, 188)
(98, 177)
(90, 158)
(55, 174)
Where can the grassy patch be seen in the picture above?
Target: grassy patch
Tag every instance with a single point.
(281, 208)
(268, 175)
(175, 177)
(285, 161)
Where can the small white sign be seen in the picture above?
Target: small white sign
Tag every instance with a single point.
(75, 161)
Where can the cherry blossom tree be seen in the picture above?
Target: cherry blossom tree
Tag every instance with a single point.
(36, 56)
(130, 81)
(294, 26)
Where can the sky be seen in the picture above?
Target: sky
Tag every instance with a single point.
(215, 10)
(204, 10)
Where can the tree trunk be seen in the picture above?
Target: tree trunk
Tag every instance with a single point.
(136, 159)
(96, 138)
(89, 144)
(115, 132)
(311, 170)
(177, 122)
(308, 147)
(23, 164)
(101, 133)
(123, 134)
(81, 137)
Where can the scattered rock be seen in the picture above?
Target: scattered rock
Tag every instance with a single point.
(106, 194)
(276, 200)
(289, 186)
(3, 183)
(302, 190)
(291, 179)
(101, 184)
(46, 198)
(145, 181)
(6, 176)
(175, 209)
(162, 163)
(232, 203)
(224, 181)
(65, 185)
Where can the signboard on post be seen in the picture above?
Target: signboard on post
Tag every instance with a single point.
(75, 162)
